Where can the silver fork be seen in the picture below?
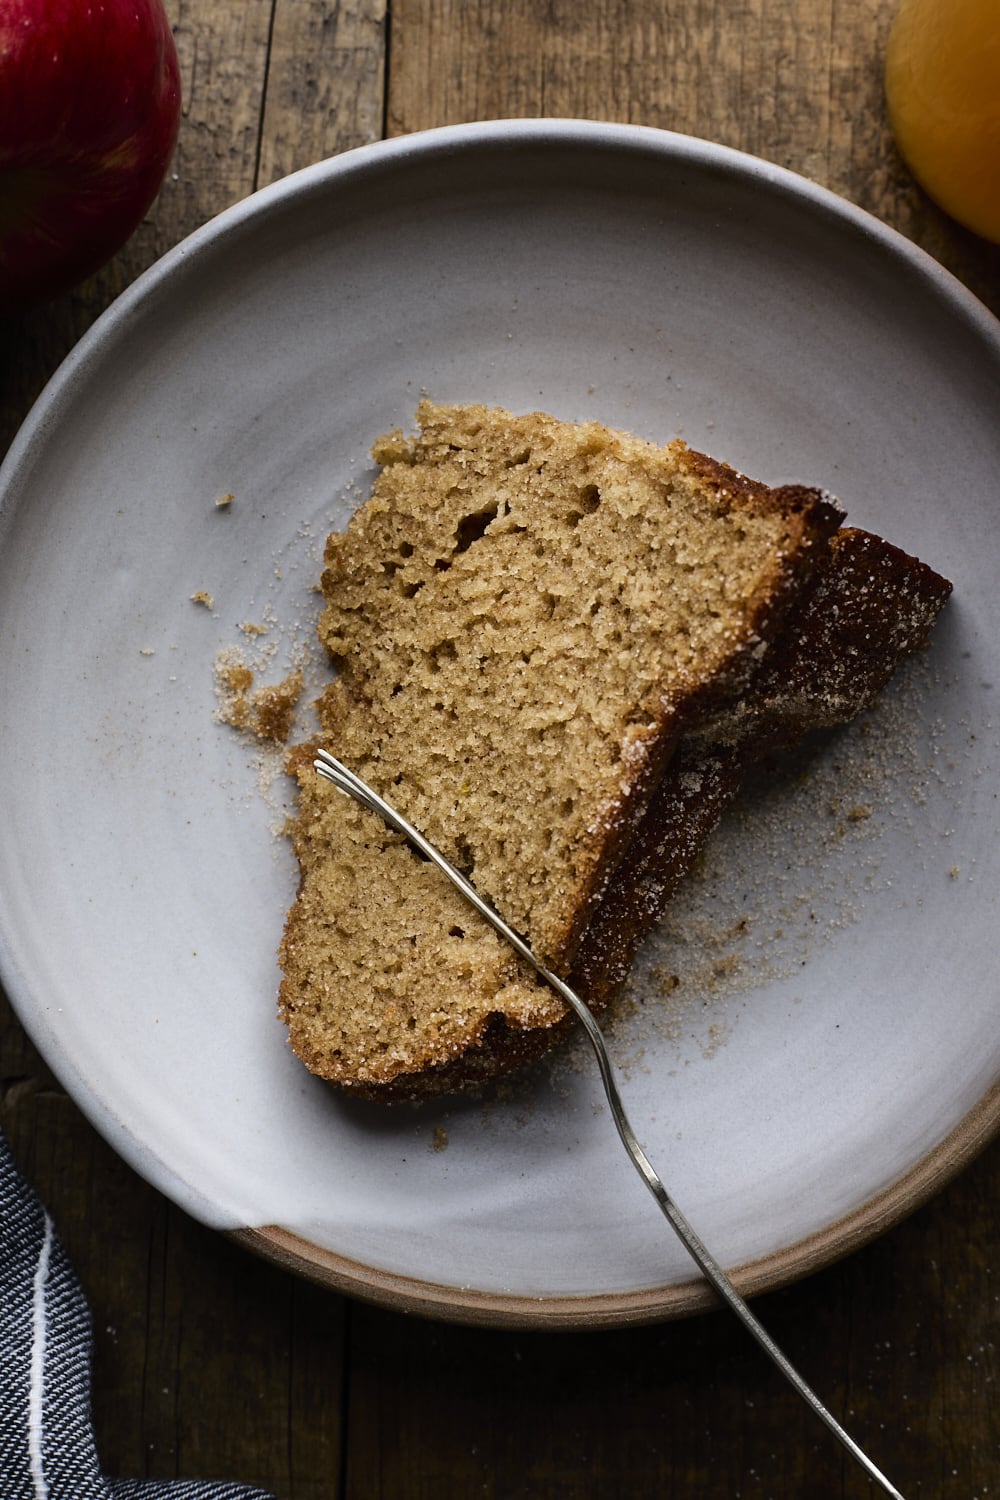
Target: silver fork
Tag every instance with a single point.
(346, 781)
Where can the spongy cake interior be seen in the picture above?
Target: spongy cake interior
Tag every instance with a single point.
(523, 615)
(522, 608)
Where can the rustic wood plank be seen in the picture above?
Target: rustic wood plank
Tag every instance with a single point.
(724, 73)
(223, 54)
(325, 82)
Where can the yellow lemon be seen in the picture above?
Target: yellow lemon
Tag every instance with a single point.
(942, 78)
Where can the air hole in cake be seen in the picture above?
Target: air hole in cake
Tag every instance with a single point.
(456, 932)
(464, 858)
(409, 589)
(516, 459)
(472, 528)
(406, 549)
(588, 501)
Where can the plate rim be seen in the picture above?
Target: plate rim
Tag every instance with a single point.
(466, 1305)
(444, 140)
(274, 1242)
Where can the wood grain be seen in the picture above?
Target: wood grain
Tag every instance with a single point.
(325, 83)
(211, 1362)
(223, 54)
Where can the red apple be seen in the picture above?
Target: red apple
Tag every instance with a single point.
(89, 108)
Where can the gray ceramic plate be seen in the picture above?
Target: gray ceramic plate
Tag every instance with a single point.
(812, 1043)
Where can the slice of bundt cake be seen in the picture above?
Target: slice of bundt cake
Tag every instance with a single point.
(535, 623)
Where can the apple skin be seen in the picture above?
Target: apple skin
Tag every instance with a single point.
(89, 108)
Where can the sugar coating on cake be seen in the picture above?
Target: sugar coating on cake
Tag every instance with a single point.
(526, 615)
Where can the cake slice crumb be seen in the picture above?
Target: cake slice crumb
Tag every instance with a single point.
(267, 712)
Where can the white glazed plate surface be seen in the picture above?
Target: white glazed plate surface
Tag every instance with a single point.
(811, 1042)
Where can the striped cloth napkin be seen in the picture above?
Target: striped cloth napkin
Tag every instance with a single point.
(47, 1449)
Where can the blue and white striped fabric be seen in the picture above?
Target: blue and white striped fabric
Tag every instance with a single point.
(47, 1449)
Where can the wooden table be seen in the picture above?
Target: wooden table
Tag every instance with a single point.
(210, 1362)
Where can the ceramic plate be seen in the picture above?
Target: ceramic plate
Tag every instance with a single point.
(810, 1043)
